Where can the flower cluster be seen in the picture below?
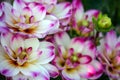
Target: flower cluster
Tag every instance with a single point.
(44, 39)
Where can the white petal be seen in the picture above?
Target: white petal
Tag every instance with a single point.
(36, 71)
(16, 42)
(46, 56)
(53, 71)
(63, 39)
(62, 10)
(7, 69)
(32, 42)
(39, 12)
(78, 10)
(70, 74)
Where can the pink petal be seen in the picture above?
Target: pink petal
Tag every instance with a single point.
(86, 71)
(98, 68)
(53, 71)
(62, 10)
(85, 59)
(90, 14)
(39, 11)
(78, 10)
(111, 38)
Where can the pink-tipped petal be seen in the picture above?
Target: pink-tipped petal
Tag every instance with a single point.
(7, 69)
(85, 59)
(77, 44)
(111, 38)
(53, 71)
(36, 71)
(62, 10)
(39, 11)
(86, 70)
(78, 10)
(45, 26)
(46, 56)
(55, 25)
(62, 39)
(16, 41)
(90, 14)
(98, 68)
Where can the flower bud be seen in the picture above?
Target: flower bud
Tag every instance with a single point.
(104, 22)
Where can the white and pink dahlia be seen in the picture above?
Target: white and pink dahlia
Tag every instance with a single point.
(109, 54)
(75, 58)
(62, 10)
(26, 59)
(81, 20)
(29, 19)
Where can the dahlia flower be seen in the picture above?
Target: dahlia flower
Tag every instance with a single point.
(82, 21)
(62, 10)
(109, 54)
(29, 19)
(75, 58)
(26, 59)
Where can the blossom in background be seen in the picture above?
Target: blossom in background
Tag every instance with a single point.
(109, 54)
(29, 19)
(62, 10)
(75, 58)
(82, 21)
(24, 59)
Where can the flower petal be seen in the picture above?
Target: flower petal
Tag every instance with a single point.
(32, 42)
(36, 71)
(78, 10)
(77, 44)
(86, 70)
(62, 10)
(16, 41)
(18, 5)
(53, 71)
(47, 50)
(39, 11)
(63, 39)
(90, 14)
(70, 74)
(111, 39)
(7, 69)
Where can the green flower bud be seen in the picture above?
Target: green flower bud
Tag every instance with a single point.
(104, 22)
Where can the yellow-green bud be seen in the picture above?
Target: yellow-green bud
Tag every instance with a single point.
(104, 22)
